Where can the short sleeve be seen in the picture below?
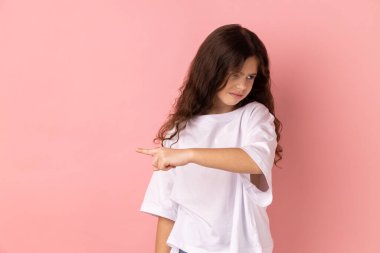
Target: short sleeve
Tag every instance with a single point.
(157, 199)
(260, 144)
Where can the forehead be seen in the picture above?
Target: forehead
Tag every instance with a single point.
(249, 66)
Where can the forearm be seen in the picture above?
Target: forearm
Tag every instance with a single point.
(229, 159)
(164, 227)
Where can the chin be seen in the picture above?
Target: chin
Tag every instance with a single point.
(235, 101)
(229, 102)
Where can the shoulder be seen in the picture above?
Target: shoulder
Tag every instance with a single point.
(257, 114)
(260, 120)
(257, 108)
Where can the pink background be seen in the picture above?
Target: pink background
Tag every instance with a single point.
(83, 83)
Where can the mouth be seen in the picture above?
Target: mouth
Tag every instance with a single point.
(236, 95)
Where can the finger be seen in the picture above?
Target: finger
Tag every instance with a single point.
(168, 166)
(146, 151)
(164, 166)
(154, 163)
(160, 165)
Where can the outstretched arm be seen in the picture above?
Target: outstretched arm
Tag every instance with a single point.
(229, 159)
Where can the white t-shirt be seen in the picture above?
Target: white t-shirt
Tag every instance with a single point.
(216, 210)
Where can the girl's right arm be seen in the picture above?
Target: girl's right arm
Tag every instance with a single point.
(164, 227)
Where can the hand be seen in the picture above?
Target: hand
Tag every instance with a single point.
(167, 158)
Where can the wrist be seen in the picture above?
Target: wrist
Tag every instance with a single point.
(191, 155)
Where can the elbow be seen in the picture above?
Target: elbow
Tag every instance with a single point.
(256, 171)
(250, 164)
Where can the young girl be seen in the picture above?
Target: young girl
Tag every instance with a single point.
(212, 181)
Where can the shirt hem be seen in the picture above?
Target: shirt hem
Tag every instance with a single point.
(176, 245)
(156, 210)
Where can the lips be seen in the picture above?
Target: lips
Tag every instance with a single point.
(236, 94)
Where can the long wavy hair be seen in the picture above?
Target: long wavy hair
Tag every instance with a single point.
(223, 52)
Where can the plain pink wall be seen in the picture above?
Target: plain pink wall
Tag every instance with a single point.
(82, 83)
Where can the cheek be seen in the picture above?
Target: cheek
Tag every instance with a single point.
(219, 94)
(228, 87)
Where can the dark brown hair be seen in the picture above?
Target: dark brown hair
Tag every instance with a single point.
(223, 52)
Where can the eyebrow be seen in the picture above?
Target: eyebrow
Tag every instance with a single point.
(252, 74)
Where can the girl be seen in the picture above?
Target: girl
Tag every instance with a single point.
(212, 181)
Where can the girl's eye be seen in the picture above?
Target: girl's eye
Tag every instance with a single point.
(251, 77)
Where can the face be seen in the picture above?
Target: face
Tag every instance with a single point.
(237, 88)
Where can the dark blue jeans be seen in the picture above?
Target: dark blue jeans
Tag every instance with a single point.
(181, 251)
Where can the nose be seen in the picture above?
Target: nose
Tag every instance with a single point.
(242, 83)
